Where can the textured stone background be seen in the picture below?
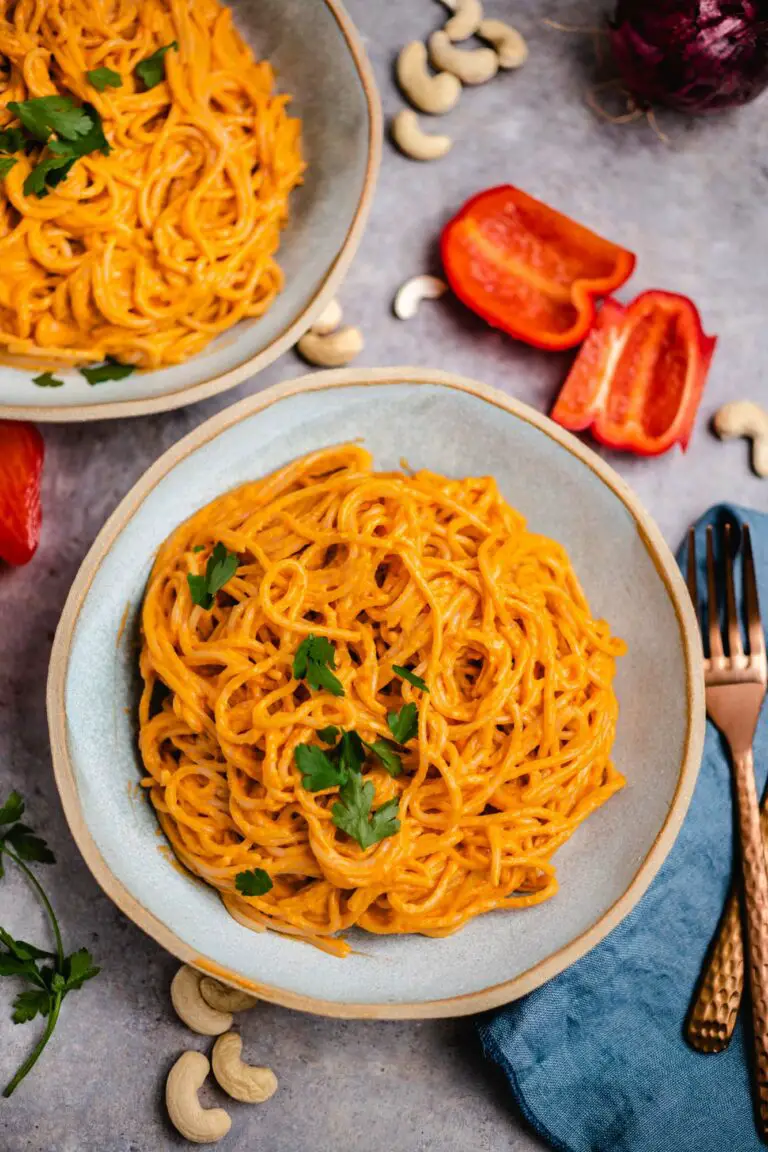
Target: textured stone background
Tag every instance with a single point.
(694, 213)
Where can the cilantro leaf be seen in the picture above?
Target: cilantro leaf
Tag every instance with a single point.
(11, 140)
(111, 370)
(47, 114)
(318, 769)
(78, 968)
(254, 882)
(313, 661)
(6, 163)
(411, 677)
(219, 570)
(102, 78)
(28, 1004)
(388, 756)
(13, 809)
(28, 846)
(47, 174)
(404, 725)
(46, 379)
(152, 70)
(352, 814)
(328, 735)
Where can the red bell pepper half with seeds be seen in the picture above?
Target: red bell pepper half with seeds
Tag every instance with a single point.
(637, 381)
(528, 269)
(21, 468)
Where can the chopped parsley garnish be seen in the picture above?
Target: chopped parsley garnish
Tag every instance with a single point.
(102, 78)
(12, 140)
(47, 380)
(152, 70)
(48, 114)
(353, 815)
(404, 724)
(329, 735)
(411, 677)
(111, 370)
(219, 570)
(313, 662)
(388, 756)
(69, 132)
(6, 163)
(319, 769)
(254, 882)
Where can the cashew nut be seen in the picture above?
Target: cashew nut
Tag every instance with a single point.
(410, 294)
(407, 133)
(464, 24)
(510, 47)
(241, 1081)
(471, 65)
(192, 1009)
(223, 998)
(331, 351)
(328, 320)
(195, 1123)
(435, 94)
(744, 418)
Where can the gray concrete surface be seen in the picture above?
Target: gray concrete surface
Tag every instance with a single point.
(694, 213)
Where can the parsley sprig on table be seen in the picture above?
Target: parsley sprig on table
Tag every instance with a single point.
(50, 975)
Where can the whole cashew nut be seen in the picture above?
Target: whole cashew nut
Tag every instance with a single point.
(464, 24)
(471, 65)
(329, 319)
(241, 1081)
(192, 1008)
(434, 94)
(410, 294)
(510, 47)
(223, 998)
(195, 1123)
(407, 133)
(744, 418)
(332, 351)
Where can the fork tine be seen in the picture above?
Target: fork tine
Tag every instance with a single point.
(754, 624)
(735, 646)
(715, 639)
(692, 580)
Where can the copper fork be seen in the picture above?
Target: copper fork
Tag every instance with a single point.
(735, 690)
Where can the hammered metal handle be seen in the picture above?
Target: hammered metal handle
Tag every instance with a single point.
(716, 1004)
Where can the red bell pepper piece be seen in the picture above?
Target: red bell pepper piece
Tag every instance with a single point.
(21, 467)
(528, 269)
(638, 378)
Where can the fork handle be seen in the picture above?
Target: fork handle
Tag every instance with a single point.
(715, 1007)
(756, 906)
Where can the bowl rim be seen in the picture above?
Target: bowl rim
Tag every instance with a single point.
(494, 995)
(222, 381)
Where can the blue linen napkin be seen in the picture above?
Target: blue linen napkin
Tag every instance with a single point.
(596, 1058)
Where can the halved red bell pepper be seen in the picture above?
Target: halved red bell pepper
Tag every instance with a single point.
(638, 378)
(528, 269)
(21, 468)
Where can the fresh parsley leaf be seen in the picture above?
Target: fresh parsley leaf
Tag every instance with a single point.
(313, 661)
(152, 70)
(47, 174)
(404, 725)
(318, 768)
(46, 379)
(254, 882)
(388, 756)
(12, 966)
(93, 140)
(111, 370)
(28, 846)
(199, 548)
(13, 809)
(21, 949)
(328, 735)
(78, 968)
(352, 814)
(6, 163)
(102, 78)
(47, 114)
(11, 140)
(219, 570)
(28, 1004)
(411, 677)
(351, 752)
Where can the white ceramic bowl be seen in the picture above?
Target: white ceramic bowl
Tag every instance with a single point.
(319, 59)
(459, 428)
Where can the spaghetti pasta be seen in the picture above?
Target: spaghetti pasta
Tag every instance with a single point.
(432, 593)
(149, 252)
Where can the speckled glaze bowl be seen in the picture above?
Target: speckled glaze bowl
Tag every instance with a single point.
(319, 59)
(457, 427)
